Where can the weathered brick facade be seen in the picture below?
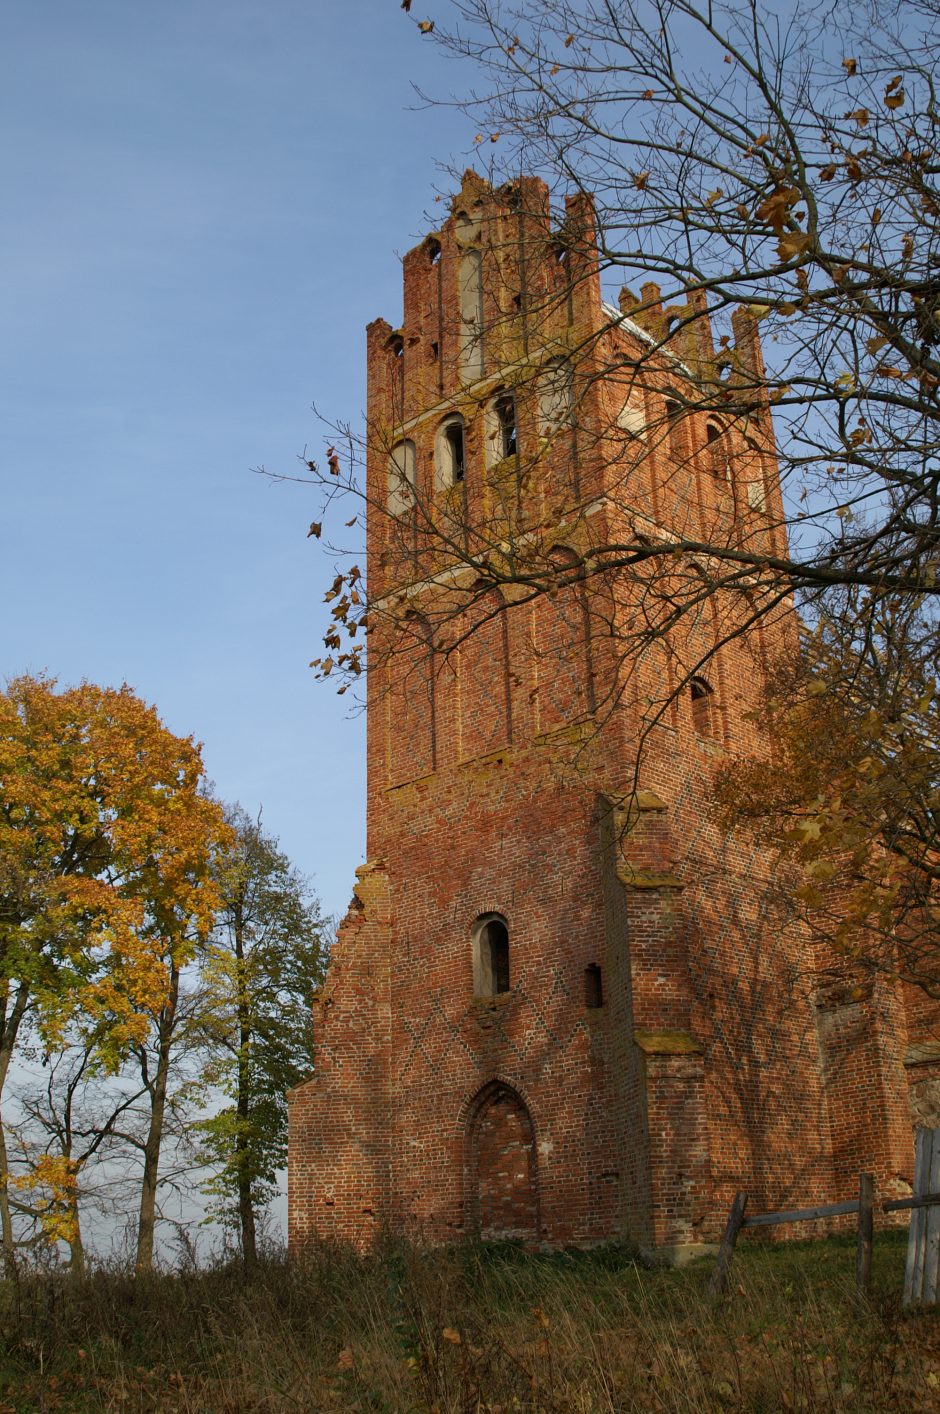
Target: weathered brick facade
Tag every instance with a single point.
(562, 1006)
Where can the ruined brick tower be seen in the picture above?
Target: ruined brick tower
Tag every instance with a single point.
(561, 1007)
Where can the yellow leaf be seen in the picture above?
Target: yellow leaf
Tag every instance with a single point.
(775, 208)
(851, 67)
(794, 243)
(451, 1335)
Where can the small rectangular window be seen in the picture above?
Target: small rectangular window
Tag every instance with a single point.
(593, 987)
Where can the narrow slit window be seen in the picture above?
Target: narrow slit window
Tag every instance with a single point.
(702, 707)
(676, 429)
(451, 453)
(491, 958)
(717, 449)
(593, 987)
(505, 409)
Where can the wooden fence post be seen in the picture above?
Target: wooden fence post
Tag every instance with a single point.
(726, 1250)
(922, 1277)
(866, 1217)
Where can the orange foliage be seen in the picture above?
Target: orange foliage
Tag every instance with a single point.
(850, 791)
(105, 846)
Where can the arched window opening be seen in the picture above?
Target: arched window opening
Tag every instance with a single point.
(702, 707)
(672, 323)
(717, 449)
(503, 433)
(555, 401)
(593, 987)
(396, 345)
(451, 452)
(401, 478)
(490, 957)
(675, 427)
(434, 250)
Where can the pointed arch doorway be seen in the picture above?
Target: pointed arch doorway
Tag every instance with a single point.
(502, 1165)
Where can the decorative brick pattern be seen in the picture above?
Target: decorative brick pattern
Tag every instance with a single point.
(501, 780)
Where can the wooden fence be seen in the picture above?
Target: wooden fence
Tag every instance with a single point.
(922, 1274)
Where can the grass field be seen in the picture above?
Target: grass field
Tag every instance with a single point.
(476, 1329)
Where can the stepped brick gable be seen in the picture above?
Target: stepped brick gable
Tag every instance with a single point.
(562, 1007)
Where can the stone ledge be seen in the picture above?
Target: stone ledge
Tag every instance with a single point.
(639, 879)
(648, 800)
(668, 1043)
(922, 1052)
(412, 781)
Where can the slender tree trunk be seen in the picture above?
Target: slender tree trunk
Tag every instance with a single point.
(246, 1207)
(9, 1029)
(76, 1244)
(147, 1219)
(6, 1217)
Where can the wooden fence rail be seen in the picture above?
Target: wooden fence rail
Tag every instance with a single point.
(922, 1275)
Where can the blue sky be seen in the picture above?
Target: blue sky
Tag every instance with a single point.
(203, 202)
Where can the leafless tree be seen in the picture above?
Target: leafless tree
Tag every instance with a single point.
(777, 164)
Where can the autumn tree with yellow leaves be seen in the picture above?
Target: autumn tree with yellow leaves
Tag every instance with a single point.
(850, 795)
(106, 844)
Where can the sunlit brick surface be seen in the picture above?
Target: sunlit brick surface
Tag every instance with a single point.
(503, 742)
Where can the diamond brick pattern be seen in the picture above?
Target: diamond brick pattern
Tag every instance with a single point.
(504, 779)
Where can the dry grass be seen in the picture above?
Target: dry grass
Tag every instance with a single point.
(473, 1330)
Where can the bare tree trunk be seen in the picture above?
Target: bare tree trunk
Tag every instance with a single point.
(147, 1219)
(246, 1208)
(76, 1243)
(6, 1219)
(9, 1029)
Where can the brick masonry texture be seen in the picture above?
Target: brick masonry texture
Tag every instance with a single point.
(666, 1036)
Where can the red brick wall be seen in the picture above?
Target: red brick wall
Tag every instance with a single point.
(502, 780)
